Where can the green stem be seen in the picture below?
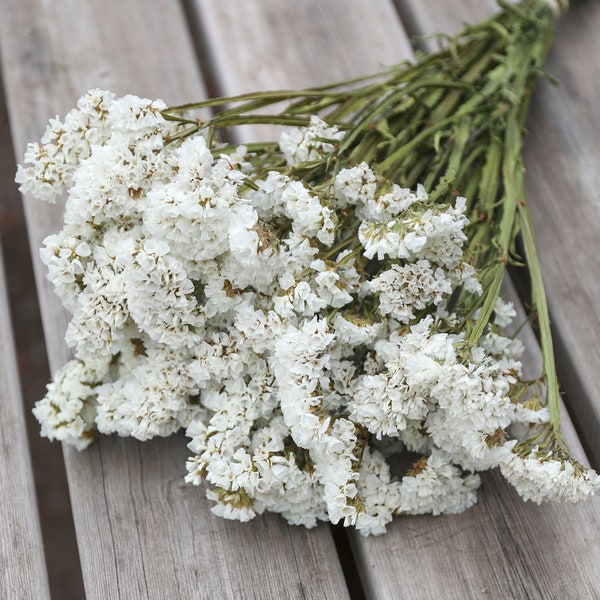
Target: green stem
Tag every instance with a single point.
(540, 305)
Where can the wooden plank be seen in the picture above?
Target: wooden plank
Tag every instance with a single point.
(142, 532)
(265, 45)
(275, 45)
(22, 565)
(501, 548)
(442, 17)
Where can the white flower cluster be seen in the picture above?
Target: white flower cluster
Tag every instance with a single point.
(302, 336)
(539, 476)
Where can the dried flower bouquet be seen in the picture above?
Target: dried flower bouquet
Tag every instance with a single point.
(313, 308)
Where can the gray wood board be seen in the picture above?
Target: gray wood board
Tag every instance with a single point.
(22, 565)
(142, 533)
(503, 547)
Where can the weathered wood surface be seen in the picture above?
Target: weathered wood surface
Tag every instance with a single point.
(502, 547)
(22, 565)
(142, 532)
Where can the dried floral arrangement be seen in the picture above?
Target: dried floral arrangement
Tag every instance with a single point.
(313, 309)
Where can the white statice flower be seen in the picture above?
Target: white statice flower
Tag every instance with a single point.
(297, 252)
(232, 506)
(68, 411)
(299, 367)
(434, 485)
(109, 187)
(474, 409)
(380, 494)
(309, 143)
(275, 480)
(253, 259)
(267, 198)
(389, 204)
(300, 354)
(532, 416)
(227, 170)
(444, 232)
(329, 284)
(415, 438)
(66, 257)
(259, 328)
(352, 330)
(194, 162)
(135, 115)
(356, 185)
(385, 405)
(539, 477)
(408, 288)
(501, 347)
(309, 216)
(100, 315)
(424, 381)
(191, 210)
(301, 300)
(399, 395)
(160, 296)
(44, 174)
(435, 234)
(299, 361)
(504, 312)
(150, 397)
(219, 294)
(96, 104)
(342, 372)
(465, 275)
(295, 494)
(217, 358)
(49, 166)
(190, 221)
(222, 443)
(382, 239)
(233, 471)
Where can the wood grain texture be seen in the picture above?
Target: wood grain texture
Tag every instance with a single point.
(268, 44)
(142, 532)
(449, 17)
(22, 565)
